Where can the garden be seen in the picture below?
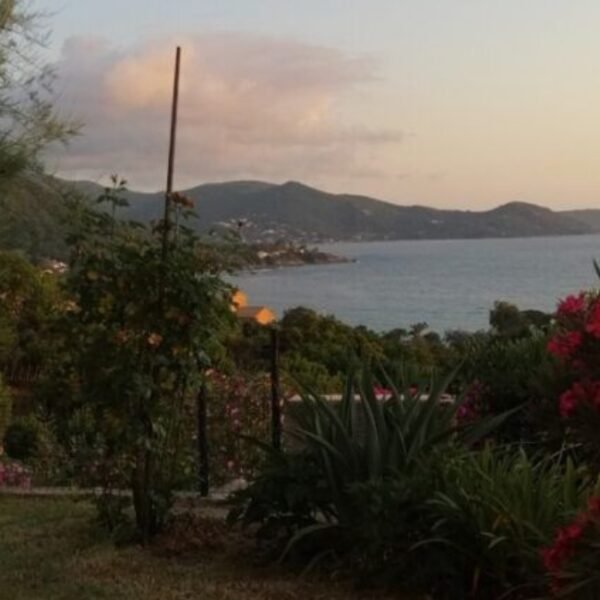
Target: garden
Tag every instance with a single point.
(351, 463)
(411, 464)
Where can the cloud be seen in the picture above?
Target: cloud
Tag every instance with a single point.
(251, 106)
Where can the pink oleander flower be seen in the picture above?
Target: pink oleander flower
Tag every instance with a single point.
(572, 305)
(592, 325)
(381, 392)
(568, 403)
(564, 345)
(563, 547)
(555, 557)
(579, 393)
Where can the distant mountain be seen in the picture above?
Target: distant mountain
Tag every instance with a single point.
(31, 215)
(296, 211)
(589, 217)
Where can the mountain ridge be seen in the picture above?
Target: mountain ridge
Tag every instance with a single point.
(301, 212)
(292, 211)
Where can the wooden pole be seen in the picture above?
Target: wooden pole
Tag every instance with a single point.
(275, 399)
(203, 466)
(172, 145)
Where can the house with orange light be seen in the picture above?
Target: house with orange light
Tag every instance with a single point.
(262, 315)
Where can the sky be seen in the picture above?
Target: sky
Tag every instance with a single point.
(447, 103)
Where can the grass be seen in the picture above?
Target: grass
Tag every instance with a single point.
(50, 550)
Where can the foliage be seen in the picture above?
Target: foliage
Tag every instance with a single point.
(13, 474)
(300, 213)
(5, 407)
(145, 319)
(506, 320)
(239, 406)
(571, 561)
(30, 299)
(390, 488)
(323, 340)
(508, 367)
(493, 511)
(21, 439)
(46, 458)
(318, 350)
(575, 344)
(29, 124)
(29, 121)
(35, 209)
(319, 496)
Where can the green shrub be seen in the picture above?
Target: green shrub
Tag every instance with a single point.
(516, 372)
(359, 477)
(21, 439)
(493, 512)
(571, 561)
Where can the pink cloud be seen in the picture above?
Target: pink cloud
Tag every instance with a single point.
(251, 106)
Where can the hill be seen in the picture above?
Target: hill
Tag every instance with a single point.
(589, 217)
(32, 213)
(295, 211)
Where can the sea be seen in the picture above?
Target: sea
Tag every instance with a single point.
(448, 284)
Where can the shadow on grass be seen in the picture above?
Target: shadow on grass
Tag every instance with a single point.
(51, 550)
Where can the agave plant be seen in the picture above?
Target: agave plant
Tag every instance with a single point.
(355, 450)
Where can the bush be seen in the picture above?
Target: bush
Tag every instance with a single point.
(509, 373)
(571, 561)
(238, 405)
(493, 512)
(354, 487)
(576, 345)
(21, 439)
(147, 315)
(14, 474)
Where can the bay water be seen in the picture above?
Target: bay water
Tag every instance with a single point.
(449, 284)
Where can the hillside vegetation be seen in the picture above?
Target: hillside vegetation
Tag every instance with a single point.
(299, 211)
(34, 209)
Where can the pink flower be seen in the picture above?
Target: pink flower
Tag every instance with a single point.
(580, 392)
(593, 322)
(572, 305)
(571, 399)
(568, 404)
(563, 546)
(565, 345)
(381, 393)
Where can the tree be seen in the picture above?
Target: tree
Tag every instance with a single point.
(28, 119)
(143, 327)
(29, 299)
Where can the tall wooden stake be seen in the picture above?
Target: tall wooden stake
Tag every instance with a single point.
(275, 400)
(172, 144)
(203, 464)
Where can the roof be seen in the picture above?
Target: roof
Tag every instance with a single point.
(239, 299)
(261, 314)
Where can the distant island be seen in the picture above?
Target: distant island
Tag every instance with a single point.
(290, 213)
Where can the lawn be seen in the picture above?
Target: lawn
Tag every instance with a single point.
(51, 550)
